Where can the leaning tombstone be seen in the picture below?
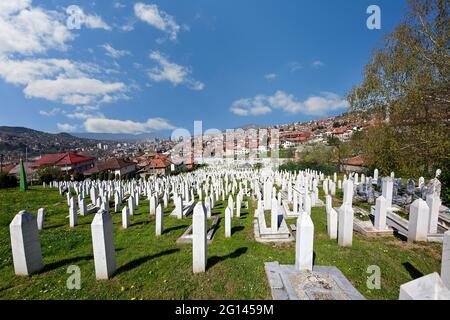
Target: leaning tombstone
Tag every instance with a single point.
(103, 245)
(25, 244)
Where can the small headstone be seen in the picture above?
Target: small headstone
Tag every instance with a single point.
(199, 240)
(332, 223)
(73, 218)
(345, 229)
(418, 221)
(159, 220)
(125, 218)
(103, 245)
(304, 243)
(40, 218)
(25, 244)
(380, 213)
(434, 203)
(227, 222)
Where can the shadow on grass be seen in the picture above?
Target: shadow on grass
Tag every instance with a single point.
(61, 263)
(137, 262)
(413, 272)
(175, 228)
(235, 254)
(53, 226)
(236, 229)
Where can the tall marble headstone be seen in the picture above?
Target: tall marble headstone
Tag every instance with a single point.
(418, 221)
(103, 245)
(304, 243)
(25, 244)
(199, 240)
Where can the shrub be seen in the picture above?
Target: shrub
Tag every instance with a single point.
(78, 176)
(7, 181)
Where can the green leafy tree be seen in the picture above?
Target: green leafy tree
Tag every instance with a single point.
(405, 91)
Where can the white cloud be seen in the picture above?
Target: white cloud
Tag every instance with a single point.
(270, 76)
(28, 30)
(95, 22)
(255, 107)
(314, 105)
(66, 127)
(90, 21)
(103, 125)
(157, 18)
(172, 72)
(61, 80)
(51, 113)
(295, 66)
(74, 91)
(118, 5)
(318, 64)
(114, 53)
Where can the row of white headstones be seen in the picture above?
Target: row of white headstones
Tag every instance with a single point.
(25, 241)
(26, 245)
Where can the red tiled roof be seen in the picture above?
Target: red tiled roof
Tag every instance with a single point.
(8, 168)
(355, 161)
(60, 159)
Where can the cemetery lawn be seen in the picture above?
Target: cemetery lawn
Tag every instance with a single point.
(157, 268)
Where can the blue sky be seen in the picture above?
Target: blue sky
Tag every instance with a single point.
(138, 66)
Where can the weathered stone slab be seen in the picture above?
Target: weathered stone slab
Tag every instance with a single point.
(322, 283)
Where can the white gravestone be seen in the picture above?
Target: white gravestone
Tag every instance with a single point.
(25, 244)
(380, 213)
(199, 241)
(73, 218)
(332, 223)
(227, 222)
(304, 243)
(125, 218)
(153, 204)
(83, 207)
(130, 206)
(345, 229)
(434, 203)
(387, 189)
(445, 264)
(40, 218)
(103, 245)
(418, 221)
(274, 216)
(429, 287)
(159, 220)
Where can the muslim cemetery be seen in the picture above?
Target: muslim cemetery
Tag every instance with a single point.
(227, 232)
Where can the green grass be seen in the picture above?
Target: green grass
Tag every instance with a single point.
(158, 268)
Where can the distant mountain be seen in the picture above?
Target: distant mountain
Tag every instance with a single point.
(17, 140)
(118, 136)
